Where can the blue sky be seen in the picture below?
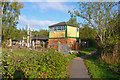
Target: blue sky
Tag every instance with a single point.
(40, 15)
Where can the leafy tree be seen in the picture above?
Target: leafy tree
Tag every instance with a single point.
(98, 15)
(73, 21)
(10, 14)
(87, 32)
(41, 33)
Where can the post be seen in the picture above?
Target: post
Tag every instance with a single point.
(10, 42)
(76, 45)
(22, 43)
(30, 42)
(33, 44)
(28, 36)
(58, 46)
(43, 44)
(70, 46)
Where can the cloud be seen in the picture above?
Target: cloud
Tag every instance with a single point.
(55, 6)
(48, 0)
(34, 23)
(63, 0)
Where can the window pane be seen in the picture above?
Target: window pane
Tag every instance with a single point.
(63, 27)
(59, 27)
(52, 29)
(55, 29)
(77, 29)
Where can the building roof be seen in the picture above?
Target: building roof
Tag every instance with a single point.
(40, 38)
(62, 24)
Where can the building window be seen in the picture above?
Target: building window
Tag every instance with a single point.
(57, 28)
(77, 29)
(51, 29)
(63, 27)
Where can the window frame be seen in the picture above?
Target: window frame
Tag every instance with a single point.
(55, 28)
(77, 29)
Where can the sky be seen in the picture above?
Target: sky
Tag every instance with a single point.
(40, 15)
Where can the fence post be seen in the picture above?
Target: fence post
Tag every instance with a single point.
(10, 42)
(58, 46)
(22, 43)
(43, 44)
(70, 46)
(76, 45)
(33, 44)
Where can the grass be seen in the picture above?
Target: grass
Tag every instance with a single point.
(72, 56)
(99, 70)
(88, 50)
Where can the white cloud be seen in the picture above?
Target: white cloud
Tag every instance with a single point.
(54, 5)
(63, 0)
(34, 23)
(48, 0)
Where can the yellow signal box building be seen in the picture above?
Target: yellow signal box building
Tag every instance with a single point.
(64, 33)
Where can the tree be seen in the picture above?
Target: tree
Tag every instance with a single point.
(104, 18)
(73, 21)
(87, 32)
(41, 33)
(10, 15)
(98, 16)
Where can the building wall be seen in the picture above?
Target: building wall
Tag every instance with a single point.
(72, 32)
(56, 34)
(69, 41)
(55, 41)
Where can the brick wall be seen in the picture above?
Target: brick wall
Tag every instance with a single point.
(68, 41)
(55, 41)
(72, 41)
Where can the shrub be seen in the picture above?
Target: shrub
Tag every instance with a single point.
(32, 64)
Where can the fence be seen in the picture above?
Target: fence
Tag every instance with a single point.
(63, 48)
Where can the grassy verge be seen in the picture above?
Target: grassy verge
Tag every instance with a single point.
(99, 70)
(88, 50)
(72, 56)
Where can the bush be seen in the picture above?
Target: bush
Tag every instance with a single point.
(32, 64)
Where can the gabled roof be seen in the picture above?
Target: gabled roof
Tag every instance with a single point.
(62, 24)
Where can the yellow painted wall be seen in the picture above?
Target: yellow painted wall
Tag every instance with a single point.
(57, 34)
(77, 34)
(72, 32)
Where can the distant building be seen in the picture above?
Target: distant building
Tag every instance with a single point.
(64, 33)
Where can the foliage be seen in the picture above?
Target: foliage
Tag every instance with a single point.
(104, 18)
(87, 32)
(88, 50)
(41, 33)
(73, 21)
(99, 70)
(72, 56)
(98, 16)
(10, 12)
(32, 64)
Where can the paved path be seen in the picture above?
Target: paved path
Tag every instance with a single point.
(78, 68)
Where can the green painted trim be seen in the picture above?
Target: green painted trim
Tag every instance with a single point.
(64, 37)
(66, 31)
(73, 37)
(57, 38)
